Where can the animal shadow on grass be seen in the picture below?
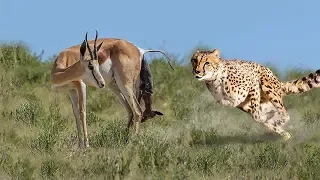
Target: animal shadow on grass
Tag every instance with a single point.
(246, 139)
(210, 138)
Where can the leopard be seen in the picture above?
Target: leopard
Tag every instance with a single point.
(250, 87)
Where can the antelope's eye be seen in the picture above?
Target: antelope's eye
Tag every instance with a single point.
(90, 66)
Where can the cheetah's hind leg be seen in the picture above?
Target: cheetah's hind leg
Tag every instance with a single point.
(273, 120)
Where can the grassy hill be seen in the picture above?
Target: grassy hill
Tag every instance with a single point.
(195, 139)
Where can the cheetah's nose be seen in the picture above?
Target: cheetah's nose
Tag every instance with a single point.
(197, 72)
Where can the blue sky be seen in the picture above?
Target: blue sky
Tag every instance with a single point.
(282, 31)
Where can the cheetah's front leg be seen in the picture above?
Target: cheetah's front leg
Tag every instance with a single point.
(252, 105)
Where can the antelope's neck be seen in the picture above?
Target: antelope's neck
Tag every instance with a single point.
(72, 73)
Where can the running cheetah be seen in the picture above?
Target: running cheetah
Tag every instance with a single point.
(250, 87)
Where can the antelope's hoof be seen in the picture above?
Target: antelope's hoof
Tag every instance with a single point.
(150, 115)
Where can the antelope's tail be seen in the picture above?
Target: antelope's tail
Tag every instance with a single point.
(160, 51)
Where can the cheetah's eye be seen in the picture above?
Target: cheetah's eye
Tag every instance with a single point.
(206, 63)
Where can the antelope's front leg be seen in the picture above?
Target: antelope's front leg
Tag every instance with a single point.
(73, 94)
(81, 87)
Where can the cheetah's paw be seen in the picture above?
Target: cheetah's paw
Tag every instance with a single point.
(285, 135)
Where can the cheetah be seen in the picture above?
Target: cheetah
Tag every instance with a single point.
(250, 87)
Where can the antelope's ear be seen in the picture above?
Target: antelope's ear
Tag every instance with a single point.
(99, 46)
(83, 49)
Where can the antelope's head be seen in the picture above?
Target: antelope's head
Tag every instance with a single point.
(90, 62)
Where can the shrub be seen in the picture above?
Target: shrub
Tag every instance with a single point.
(29, 112)
(51, 126)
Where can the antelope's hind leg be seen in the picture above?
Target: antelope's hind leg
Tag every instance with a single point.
(117, 92)
(130, 97)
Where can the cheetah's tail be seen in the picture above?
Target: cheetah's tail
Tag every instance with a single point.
(302, 84)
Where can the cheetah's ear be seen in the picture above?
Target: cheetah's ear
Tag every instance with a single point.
(216, 53)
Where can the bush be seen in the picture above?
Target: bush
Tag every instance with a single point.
(51, 127)
(29, 112)
(113, 134)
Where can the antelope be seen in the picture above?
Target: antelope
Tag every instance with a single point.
(114, 63)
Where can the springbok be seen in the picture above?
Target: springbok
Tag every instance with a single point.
(114, 63)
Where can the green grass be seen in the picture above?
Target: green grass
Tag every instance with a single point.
(195, 139)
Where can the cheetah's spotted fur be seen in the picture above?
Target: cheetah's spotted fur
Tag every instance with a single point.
(250, 87)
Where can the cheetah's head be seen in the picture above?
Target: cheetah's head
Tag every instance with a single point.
(205, 64)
